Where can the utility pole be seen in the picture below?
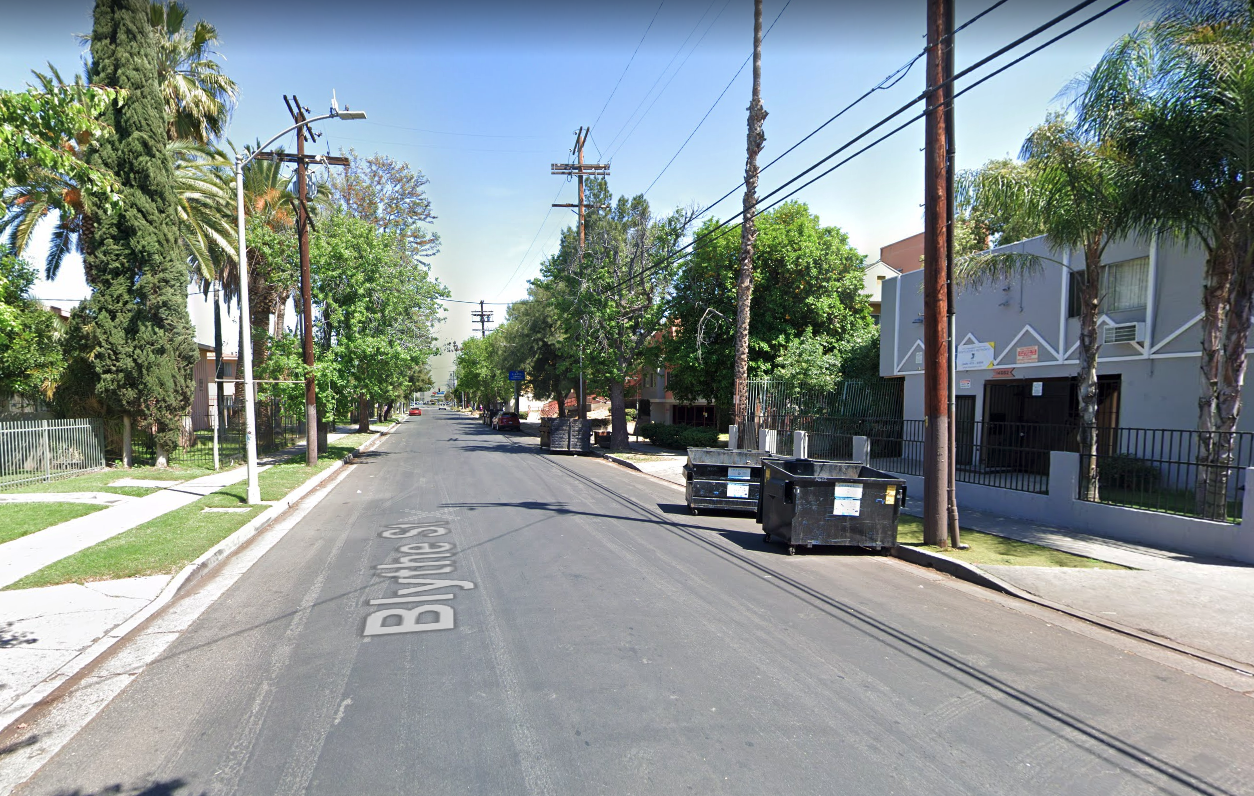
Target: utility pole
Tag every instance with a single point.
(303, 133)
(748, 235)
(580, 169)
(951, 496)
(482, 317)
(936, 288)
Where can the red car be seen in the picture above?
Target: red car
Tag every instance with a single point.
(506, 421)
(415, 411)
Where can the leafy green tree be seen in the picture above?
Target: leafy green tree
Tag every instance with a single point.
(613, 291)
(1175, 99)
(45, 135)
(137, 312)
(1070, 187)
(807, 315)
(30, 352)
(534, 339)
(479, 372)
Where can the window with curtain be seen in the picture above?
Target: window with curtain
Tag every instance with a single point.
(1125, 285)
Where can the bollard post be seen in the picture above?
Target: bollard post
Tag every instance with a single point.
(766, 440)
(733, 437)
(862, 450)
(800, 445)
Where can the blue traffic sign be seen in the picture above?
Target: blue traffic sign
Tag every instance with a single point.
(517, 375)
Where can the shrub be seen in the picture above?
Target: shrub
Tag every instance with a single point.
(677, 436)
(631, 414)
(1124, 471)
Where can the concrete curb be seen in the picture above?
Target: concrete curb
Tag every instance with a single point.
(185, 579)
(975, 575)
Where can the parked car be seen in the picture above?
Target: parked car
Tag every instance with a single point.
(415, 411)
(506, 421)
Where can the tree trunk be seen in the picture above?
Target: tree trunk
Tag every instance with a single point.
(618, 418)
(1216, 288)
(128, 453)
(748, 229)
(363, 415)
(162, 458)
(280, 312)
(1231, 382)
(1090, 345)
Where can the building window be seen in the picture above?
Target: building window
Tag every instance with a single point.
(649, 381)
(1075, 293)
(1125, 285)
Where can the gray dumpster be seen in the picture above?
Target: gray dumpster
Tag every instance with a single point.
(570, 435)
(807, 502)
(716, 478)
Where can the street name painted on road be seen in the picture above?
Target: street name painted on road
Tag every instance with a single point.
(414, 574)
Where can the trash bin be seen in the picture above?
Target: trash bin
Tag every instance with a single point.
(570, 435)
(717, 478)
(807, 502)
(545, 428)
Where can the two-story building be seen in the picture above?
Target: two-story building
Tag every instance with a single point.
(1018, 339)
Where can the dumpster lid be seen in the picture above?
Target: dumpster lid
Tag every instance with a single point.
(819, 470)
(735, 457)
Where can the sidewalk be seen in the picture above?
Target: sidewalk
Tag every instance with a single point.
(42, 629)
(1205, 604)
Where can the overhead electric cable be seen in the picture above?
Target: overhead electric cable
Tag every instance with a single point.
(518, 267)
(1031, 34)
(888, 82)
(716, 102)
(627, 67)
(610, 146)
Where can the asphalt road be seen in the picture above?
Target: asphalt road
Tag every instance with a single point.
(591, 637)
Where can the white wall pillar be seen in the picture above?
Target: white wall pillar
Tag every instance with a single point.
(862, 450)
(766, 440)
(733, 437)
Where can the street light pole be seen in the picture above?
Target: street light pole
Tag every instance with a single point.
(246, 346)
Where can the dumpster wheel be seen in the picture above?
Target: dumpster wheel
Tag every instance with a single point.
(694, 510)
(792, 550)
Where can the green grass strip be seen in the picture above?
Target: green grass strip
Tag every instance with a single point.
(99, 480)
(19, 519)
(165, 545)
(997, 550)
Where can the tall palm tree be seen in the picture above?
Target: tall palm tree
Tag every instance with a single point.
(1176, 98)
(1069, 187)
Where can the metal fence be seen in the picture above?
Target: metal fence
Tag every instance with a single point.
(1158, 470)
(275, 432)
(33, 451)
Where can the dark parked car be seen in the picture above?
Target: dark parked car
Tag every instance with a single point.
(506, 421)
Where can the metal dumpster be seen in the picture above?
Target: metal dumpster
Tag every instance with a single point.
(570, 435)
(717, 478)
(807, 502)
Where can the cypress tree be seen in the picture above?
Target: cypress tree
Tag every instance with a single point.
(144, 347)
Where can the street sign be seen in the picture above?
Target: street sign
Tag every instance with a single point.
(517, 375)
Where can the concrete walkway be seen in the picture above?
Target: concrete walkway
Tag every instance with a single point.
(106, 498)
(35, 551)
(1206, 604)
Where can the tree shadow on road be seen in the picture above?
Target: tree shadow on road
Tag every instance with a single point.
(169, 787)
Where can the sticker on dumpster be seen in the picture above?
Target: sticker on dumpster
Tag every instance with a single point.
(890, 493)
(738, 473)
(848, 500)
(737, 490)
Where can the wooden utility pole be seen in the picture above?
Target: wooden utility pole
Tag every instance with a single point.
(580, 169)
(483, 318)
(936, 288)
(951, 496)
(302, 161)
(748, 235)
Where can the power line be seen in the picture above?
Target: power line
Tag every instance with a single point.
(890, 81)
(477, 303)
(923, 96)
(716, 102)
(625, 68)
(643, 99)
(446, 132)
(518, 267)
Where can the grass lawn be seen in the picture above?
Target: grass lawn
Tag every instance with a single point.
(165, 545)
(989, 549)
(98, 480)
(19, 519)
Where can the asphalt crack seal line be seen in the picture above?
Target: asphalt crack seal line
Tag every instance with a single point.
(53, 712)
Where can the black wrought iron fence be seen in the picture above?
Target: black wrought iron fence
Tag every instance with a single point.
(1004, 455)
(275, 432)
(1160, 470)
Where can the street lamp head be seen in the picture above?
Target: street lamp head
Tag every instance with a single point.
(350, 115)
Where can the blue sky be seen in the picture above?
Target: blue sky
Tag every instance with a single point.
(483, 96)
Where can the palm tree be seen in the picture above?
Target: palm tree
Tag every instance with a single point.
(1068, 186)
(1176, 98)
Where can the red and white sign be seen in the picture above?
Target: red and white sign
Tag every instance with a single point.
(1025, 354)
(1003, 373)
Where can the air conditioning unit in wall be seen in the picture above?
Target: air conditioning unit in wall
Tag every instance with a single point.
(1123, 333)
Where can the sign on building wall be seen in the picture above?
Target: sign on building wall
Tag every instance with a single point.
(1003, 373)
(974, 356)
(964, 384)
(1026, 354)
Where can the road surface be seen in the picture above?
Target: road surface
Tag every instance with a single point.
(577, 632)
